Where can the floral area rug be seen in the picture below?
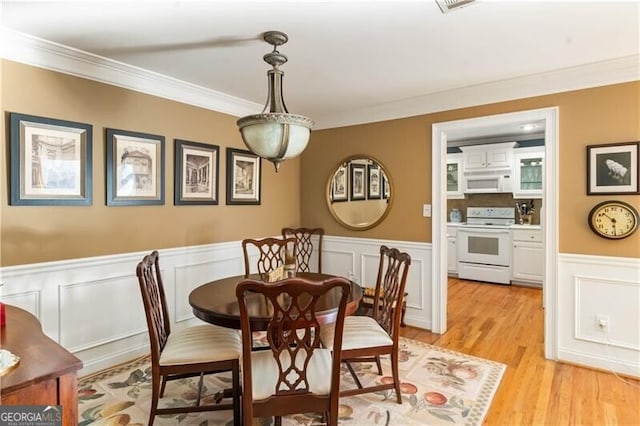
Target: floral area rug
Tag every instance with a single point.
(439, 387)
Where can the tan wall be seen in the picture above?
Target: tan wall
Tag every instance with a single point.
(37, 234)
(593, 116)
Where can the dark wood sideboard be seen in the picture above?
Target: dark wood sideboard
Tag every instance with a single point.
(47, 372)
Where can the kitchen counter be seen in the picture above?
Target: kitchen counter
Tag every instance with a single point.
(515, 226)
(518, 226)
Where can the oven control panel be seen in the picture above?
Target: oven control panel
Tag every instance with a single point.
(491, 215)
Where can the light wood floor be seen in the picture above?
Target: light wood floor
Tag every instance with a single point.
(505, 324)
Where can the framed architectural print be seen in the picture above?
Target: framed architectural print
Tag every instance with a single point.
(339, 185)
(358, 181)
(374, 182)
(135, 168)
(51, 161)
(195, 173)
(613, 169)
(385, 185)
(243, 177)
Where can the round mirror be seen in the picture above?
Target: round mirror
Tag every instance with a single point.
(359, 192)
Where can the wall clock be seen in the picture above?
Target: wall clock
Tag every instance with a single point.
(613, 219)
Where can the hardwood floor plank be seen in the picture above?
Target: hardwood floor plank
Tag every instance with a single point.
(505, 324)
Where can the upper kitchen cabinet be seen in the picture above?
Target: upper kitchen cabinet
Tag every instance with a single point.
(488, 157)
(454, 176)
(528, 172)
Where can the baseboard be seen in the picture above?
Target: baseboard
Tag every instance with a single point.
(602, 363)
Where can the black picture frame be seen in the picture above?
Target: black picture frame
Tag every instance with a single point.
(244, 177)
(134, 168)
(51, 161)
(612, 169)
(374, 182)
(385, 185)
(357, 181)
(196, 173)
(340, 185)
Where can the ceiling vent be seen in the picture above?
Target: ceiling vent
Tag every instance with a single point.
(447, 6)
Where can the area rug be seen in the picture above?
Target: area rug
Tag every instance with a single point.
(439, 387)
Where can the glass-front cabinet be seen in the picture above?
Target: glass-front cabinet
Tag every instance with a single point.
(528, 172)
(454, 176)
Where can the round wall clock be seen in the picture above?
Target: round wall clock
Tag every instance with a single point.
(613, 219)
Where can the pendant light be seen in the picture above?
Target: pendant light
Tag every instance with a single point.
(275, 134)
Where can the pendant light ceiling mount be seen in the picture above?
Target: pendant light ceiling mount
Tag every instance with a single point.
(275, 134)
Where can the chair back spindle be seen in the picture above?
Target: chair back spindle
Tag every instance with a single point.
(270, 253)
(309, 247)
(390, 285)
(155, 303)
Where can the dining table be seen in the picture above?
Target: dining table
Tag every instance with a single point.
(216, 302)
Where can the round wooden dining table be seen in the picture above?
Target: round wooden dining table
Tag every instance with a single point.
(215, 302)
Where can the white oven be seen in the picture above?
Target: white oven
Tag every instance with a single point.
(484, 245)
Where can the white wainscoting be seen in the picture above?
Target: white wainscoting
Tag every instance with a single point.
(589, 286)
(357, 258)
(92, 306)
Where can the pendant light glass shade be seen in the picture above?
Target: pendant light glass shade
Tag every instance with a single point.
(274, 134)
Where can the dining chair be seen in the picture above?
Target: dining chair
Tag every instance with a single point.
(309, 241)
(295, 374)
(366, 338)
(270, 253)
(192, 351)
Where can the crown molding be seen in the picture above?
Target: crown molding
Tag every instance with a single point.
(614, 71)
(26, 49)
(42, 53)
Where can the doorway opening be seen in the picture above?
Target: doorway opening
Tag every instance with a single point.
(441, 133)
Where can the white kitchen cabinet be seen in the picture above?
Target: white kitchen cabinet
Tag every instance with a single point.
(452, 252)
(528, 172)
(497, 156)
(527, 256)
(454, 176)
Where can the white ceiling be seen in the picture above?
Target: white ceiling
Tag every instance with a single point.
(344, 56)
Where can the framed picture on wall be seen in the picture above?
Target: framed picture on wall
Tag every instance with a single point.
(243, 177)
(385, 185)
(374, 182)
(339, 185)
(358, 181)
(51, 161)
(135, 168)
(195, 173)
(613, 168)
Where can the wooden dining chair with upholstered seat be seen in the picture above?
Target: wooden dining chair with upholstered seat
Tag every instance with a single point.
(366, 338)
(297, 374)
(309, 247)
(270, 253)
(192, 351)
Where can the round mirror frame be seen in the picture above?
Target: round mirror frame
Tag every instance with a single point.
(389, 199)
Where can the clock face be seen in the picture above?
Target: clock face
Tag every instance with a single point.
(613, 219)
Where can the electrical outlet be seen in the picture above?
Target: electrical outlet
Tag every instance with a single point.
(602, 322)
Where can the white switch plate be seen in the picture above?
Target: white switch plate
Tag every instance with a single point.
(426, 210)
